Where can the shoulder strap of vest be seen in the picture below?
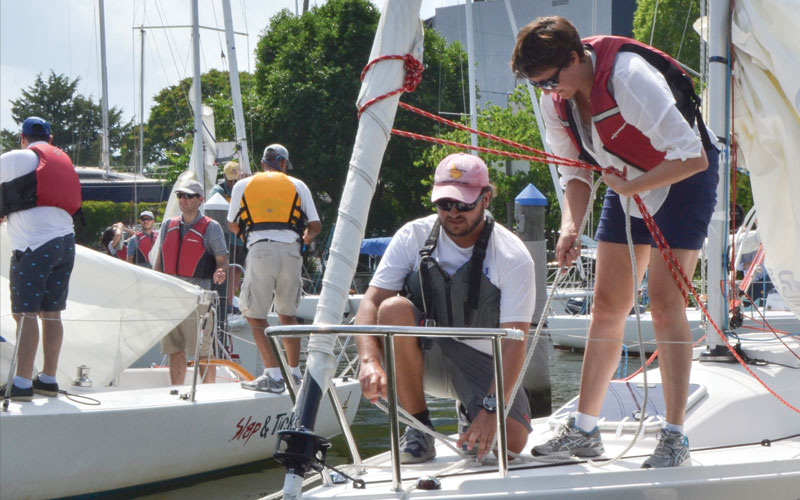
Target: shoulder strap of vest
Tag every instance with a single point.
(687, 100)
(425, 263)
(583, 155)
(476, 268)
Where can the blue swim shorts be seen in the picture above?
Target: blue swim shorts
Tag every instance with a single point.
(683, 217)
(39, 279)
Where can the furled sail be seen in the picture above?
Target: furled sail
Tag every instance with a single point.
(767, 128)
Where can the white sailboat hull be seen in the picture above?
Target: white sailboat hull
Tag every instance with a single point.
(143, 436)
(745, 444)
(571, 330)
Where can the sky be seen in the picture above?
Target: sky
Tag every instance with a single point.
(62, 36)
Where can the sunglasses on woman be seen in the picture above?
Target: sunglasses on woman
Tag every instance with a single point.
(186, 195)
(446, 205)
(548, 84)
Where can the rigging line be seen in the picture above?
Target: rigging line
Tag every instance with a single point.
(685, 26)
(461, 66)
(219, 40)
(653, 25)
(170, 43)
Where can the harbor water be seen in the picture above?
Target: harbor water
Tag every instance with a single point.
(370, 432)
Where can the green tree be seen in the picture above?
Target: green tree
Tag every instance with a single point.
(515, 122)
(76, 120)
(673, 31)
(168, 131)
(307, 81)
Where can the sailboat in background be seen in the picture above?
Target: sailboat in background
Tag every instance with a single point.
(121, 427)
(743, 419)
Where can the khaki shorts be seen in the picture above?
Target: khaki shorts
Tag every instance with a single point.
(184, 336)
(272, 268)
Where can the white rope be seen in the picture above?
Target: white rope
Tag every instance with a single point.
(642, 355)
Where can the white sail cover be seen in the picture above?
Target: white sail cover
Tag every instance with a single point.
(767, 128)
(399, 33)
(115, 313)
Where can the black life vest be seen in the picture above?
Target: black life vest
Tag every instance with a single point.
(187, 256)
(465, 299)
(619, 137)
(270, 201)
(54, 183)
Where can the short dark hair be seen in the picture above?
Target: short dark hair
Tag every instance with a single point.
(546, 42)
(36, 137)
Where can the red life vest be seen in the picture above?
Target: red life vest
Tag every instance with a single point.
(145, 244)
(619, 137)
(122, 253)
(187, 256)
(54, 183)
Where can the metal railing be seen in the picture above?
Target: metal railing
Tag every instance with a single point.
(389, 332)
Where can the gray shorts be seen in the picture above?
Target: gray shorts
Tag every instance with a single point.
(455, 370)
(272, 267)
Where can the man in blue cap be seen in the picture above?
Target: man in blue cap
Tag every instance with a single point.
(39, 193)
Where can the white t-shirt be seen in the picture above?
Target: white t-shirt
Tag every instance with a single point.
(35, 226)
(508, 265)
(646, 102)
(284, 235)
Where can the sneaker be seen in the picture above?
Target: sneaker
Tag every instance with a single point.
(265, 383)
(672, 451)
(17, 394)
(570, 440)
(297, 381)
(416, 446)
(44, 388)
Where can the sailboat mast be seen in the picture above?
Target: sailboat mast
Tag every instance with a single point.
(141, 104)
(718, 109)
(197, 148)
(473, 106)
(236, 90)
(104, 99)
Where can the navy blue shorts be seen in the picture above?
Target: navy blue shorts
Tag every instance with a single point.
(39, 279)
(683, 217)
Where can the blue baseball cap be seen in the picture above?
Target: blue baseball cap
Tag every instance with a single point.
(35, 126)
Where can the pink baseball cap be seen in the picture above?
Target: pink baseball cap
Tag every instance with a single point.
(460, 177)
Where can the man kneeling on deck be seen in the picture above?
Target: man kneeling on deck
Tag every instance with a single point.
(455, 268)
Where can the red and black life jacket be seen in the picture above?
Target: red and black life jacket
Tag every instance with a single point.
(144, 245)
(187, 256)
(54, 183)
(619, 137)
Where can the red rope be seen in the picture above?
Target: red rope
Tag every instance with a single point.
(678, 275)
(413, 76)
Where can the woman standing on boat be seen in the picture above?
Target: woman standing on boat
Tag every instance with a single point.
(618, 103)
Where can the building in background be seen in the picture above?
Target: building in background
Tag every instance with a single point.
(494, 40)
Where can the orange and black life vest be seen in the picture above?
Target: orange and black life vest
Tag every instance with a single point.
(619, 137)
(187, 256)
(270, 201)
(54, 183)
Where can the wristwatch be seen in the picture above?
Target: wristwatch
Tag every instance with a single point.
(489, 403)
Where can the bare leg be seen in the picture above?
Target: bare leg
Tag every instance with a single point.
(291, 345)
(177, 368)
(209, 372)
(410, 392)
(672, 331)
(52, 337)
(613, 297)
(257, 326)
(28, 343)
